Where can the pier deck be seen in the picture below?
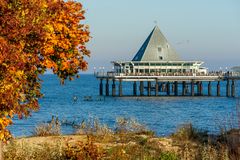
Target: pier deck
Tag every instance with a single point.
(168, 83)
(163, 78)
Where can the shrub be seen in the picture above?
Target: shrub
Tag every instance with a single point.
(130, 125)
(210, 152)
(84, 151)
(52, 128)
(94, 127)
(187, 133)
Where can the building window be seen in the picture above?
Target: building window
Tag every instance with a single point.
(152, 64)
(160, 57)
(159, 49)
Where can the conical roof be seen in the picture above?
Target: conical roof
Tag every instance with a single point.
(156, 48)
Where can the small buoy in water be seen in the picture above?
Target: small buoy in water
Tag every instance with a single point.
(87, 98)
(75, 98)
(100, 98)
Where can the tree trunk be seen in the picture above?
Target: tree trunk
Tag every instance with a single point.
(1, 150)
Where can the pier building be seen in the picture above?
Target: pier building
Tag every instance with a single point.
(157, 56)
(157, 69)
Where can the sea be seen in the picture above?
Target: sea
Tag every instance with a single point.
(164, 115)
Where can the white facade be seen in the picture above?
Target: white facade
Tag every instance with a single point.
(174, 67)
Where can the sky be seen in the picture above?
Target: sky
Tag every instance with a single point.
(206, 30)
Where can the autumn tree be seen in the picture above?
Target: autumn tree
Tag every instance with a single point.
(35, 36)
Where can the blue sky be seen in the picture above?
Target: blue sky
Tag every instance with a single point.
(207, 30)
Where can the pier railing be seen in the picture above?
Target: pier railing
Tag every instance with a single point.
(232, 74)
(219, 74)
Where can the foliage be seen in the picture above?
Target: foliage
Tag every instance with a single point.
(35, 36)
(84, 151)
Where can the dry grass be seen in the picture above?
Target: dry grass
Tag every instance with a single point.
(28, 151)
(84, 147)
(128, 140)
(51, 128)
(198, 145)
(129, 125)
(125, 130)
(230, 134)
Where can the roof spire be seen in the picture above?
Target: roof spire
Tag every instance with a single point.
(156, 48)
(156, 23)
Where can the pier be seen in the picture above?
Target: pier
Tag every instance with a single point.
(157, 70)
(168, 85)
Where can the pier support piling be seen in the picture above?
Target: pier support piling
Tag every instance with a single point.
(209, 89)
(163, 87)
(107, 87)
(183, 88)
(192, 88)
(149, 88)
(168, 88)
(101, 87)
(134, 88)
(160, 87)
(120, 88)
(156, 88)
(173, 87)
(200, 88)
(113, 88)
(218, 88)
(233, 88)
(141, 88)
(176, 88)
(228, 88)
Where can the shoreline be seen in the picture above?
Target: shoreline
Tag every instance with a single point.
(186, 142)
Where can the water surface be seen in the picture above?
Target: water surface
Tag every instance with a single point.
(162, 114)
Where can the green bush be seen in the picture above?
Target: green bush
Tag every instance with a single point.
(168, 156)
(188, 133)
